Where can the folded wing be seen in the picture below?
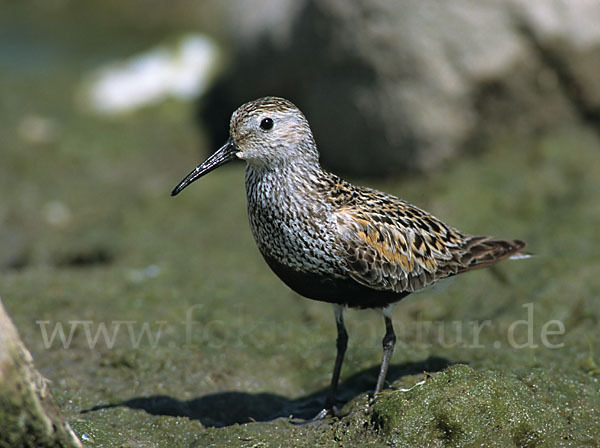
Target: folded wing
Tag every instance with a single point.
(388, 244)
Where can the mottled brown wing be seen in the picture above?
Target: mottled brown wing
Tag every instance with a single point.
(390, 245)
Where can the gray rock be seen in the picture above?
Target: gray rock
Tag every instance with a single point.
(405, 85)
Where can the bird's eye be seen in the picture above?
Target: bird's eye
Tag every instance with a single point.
(266, 124)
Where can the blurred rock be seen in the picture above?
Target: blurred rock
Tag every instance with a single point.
(406, 85)
(29, 416)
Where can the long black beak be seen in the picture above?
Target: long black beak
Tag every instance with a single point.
(224, 154)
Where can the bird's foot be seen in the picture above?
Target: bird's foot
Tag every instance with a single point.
(329, 411)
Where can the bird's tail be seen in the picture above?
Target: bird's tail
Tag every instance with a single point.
(482, 251)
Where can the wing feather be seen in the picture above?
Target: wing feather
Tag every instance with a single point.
(388, 244)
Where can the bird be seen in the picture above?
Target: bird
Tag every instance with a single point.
(333, 241)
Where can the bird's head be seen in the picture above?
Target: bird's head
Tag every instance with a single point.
(268, 133)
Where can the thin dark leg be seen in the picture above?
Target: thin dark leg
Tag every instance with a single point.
(389, 341)
(341, 344)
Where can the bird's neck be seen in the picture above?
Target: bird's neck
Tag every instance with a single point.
(293, 177)
(291, 186)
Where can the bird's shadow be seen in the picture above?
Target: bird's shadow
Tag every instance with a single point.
(228, 408)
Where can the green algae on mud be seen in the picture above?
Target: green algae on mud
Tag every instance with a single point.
(465, 407)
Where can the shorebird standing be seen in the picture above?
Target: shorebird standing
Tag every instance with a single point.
(332, 241)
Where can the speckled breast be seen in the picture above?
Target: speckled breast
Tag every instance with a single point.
(290, 228)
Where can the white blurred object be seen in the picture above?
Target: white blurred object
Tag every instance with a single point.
(182, 71)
